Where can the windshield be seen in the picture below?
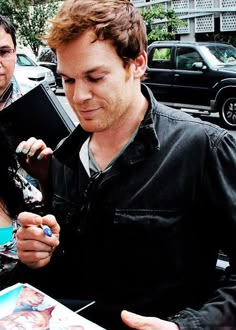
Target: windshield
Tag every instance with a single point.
(220, 54)
(24, 60)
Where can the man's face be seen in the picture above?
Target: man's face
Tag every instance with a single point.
(7, 65)
(101, 91)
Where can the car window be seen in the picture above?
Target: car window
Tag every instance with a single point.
(159, 58)
(47, 55)
(220, 54)
(185, 57)
(24, 60)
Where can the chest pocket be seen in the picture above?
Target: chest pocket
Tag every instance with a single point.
(148, 220)
(141, 231)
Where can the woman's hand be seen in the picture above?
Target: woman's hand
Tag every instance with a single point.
(34, 156)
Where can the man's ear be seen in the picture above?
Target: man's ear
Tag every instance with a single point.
(140, 64)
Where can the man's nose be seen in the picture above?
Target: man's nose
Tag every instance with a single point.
(82, 92)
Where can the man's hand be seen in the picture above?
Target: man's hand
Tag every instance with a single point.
(139, 322)
(34, 247)
(34, 156)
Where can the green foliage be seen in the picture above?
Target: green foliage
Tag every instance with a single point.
(6, 8)
(165, 31)
(30, 19)
(162, 54)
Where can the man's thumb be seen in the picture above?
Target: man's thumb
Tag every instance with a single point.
(134, 321)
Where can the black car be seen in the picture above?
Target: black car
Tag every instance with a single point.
(194, 75)
(48, 59)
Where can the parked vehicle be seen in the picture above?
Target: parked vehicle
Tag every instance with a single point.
(194, 75)
(47, 58)
(29, 74)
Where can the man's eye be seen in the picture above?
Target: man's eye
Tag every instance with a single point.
(4, 52)
(68, 80)
(95, 79)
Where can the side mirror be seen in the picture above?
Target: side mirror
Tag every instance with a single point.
(198, 66)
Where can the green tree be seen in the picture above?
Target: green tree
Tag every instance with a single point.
(165, 31)
(30, 18)
(7, 8)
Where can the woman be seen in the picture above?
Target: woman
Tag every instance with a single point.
(16, 195)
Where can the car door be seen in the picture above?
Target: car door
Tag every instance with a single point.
(159, 74)
(191, 83)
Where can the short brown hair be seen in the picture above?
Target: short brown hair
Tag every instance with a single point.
(116, 20)
(9, 28)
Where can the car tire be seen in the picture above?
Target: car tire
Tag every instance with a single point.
(227, 111)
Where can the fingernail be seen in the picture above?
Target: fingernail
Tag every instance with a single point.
(39, 157)
(25, 151)
(130, 316)
(17, 151)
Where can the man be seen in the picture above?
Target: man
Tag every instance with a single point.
(9, 89)
(144, 195)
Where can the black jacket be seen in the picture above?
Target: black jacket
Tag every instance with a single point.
(145, 235)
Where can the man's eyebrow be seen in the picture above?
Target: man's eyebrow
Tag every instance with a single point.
(85, 73)
(97, 68)
(61, 74)
(6, 47)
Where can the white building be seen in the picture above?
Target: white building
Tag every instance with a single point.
(201, 16)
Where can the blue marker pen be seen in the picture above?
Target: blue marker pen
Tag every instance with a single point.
(47, 230)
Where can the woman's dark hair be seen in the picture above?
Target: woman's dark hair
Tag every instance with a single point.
(6, 24)
(11, 193)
